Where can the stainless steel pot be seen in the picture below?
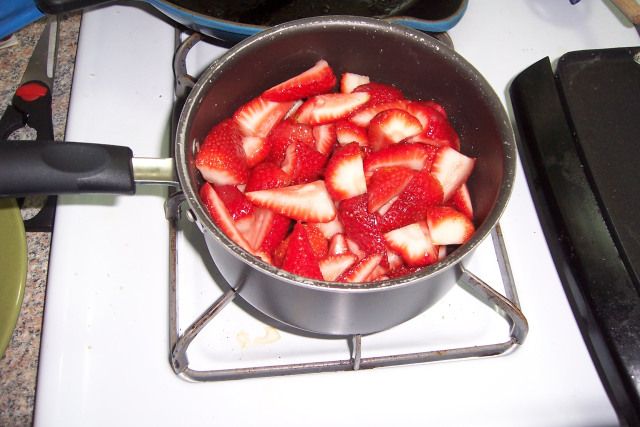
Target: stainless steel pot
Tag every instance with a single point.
(422, 68)
(419, 65)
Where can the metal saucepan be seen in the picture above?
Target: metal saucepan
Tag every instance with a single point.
(420, 66)
(234, 20)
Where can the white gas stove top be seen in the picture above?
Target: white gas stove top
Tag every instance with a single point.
(105, 348)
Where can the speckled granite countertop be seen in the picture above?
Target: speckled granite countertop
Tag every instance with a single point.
(19, 364)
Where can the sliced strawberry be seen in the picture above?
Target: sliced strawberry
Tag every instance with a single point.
(303, 163)
(452, 169)
(221, 159)
(338, 244)
(362, 227)
(437, 130)
(447, 226)
(258, 116)
(414, 156)
(319, 243)
(299, 258)
(415, 248)
(284, 134)
(277, 256)
(461, 200)
(333, 266)
(330, 228)
(276, 232)
(256, 149)
(350, 81)
(267, 175)
(347, 132)
(305, 202)
(385, 184)
(421, 192)
(361, 270)
(402, 270)
(325, 138)
(235, 201)
(380, 92)
(221, 216)
(355, 248)
(344, 175)
(390, 127)
(363, 116)
(316, 80)
(261, 221)
(330, 107)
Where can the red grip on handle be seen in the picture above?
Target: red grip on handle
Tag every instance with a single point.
(31, 91)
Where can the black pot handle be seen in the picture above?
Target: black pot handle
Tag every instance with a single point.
(56, 7)
(29, 168)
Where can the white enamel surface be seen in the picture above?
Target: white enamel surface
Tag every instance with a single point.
(105, 347)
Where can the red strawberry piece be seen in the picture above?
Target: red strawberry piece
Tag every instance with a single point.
(421, 192)
(325, 138)
(278, 254)
(344, 175)
(319, 243)
(330, 228)
(299, 258)
(362, 227)
(451, 168)
(461, 200)
(437, 130)
(380, 92)
(385, 184)
(361, 270)
(305, 202)
(258, 116)
(330, 107)
(350, 81)
(347, 132)
(355, 248)
(256, 149)
(415, 248)
(401, 271)
(338, 244)
(414, 156)
(316, 80)
(279, 229)
(447, 226)
(333, 266)
(363, 116)
(221, 159)
(390, 127)
(221, 216)
(267, 175)
(303, 163)
(235, 201)
(284, 134)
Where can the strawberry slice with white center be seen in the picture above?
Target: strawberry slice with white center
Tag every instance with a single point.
(330, 107)
(437, 129)
(415, 248)
(329, 229)
(461, 200)
(385, 184)
(258, 116)
(380, 92)
(414, 156)
(390, 127)
(221, 159)
(338, 244)
(303, 163)
(256, 149)
(333, 266)
(305, 202)
(324, 138)
(347, 132)
(452, 169)
(361, 270)
(363, 116)
(350, 81)
(344, 175)
(221, 216)
(448, 226)
(316, 80)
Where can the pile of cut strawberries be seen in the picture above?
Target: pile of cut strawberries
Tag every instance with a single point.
(341, 180)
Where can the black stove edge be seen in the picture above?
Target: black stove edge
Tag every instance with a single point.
(594, 278)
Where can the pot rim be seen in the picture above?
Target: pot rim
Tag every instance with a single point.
(207, 225)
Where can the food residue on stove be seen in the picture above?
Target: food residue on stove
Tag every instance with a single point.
(271, 336)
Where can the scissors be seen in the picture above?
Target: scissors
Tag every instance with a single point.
(31, 106)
